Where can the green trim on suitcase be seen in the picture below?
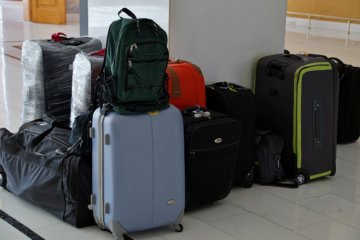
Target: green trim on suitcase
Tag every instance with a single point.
(320, 175)
(320, 66)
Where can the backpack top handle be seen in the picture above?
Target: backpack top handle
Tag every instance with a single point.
(127, 12)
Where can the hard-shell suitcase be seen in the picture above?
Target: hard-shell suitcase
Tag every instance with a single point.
(297, 97)
(138, 170)
(211, 148)
(237, 102)
(349, 102)
(186, 84)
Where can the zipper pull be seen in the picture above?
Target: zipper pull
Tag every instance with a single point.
(133, 46)
(129, 64)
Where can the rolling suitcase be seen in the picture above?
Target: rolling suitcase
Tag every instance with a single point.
(349, 102)
(297, 97)
(237, 102)
(186, 85)
(211, 146)
(138, 170)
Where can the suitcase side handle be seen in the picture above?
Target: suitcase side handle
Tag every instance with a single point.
(316, 123)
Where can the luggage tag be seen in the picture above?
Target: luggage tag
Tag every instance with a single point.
(199, 113)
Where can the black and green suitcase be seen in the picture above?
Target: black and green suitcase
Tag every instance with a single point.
(297, 96)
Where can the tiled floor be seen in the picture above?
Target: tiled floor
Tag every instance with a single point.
(323, 210)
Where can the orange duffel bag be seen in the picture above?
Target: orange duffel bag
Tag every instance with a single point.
(186, 85)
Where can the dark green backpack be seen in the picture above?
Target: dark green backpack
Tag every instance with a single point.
(133, 79)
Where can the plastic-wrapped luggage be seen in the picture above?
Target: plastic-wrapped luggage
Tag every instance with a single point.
(47, 76)
(86, 68)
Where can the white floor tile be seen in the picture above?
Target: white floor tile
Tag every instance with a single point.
(252, 227)
(195, 230)
(349, 170)
(335, 208)
(330, 230)
(26, 213)
(8, 232)
(348, 153)
(339, 186)
(303, 192)
(275, 209)
(217, 211)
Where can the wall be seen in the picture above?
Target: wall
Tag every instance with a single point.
(102, 13)
(226, 38)
(338, 8)
(72, 6)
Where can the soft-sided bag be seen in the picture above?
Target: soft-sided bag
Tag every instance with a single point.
(133, 78)
(211, 149)
(237, 102)
(349, 102)
(268, 168)
(38, 165)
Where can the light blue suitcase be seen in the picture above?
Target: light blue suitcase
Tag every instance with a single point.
(138, 171)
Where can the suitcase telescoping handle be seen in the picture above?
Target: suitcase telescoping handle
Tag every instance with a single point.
(127, 12)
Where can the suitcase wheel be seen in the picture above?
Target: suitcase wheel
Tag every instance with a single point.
(178, 227)
(300, 178)
(248, 179)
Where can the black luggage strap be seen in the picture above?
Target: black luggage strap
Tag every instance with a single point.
(291, 184)
(3, 181)
(127, 237)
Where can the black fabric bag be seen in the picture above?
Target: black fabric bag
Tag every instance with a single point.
(38, 165)
(349, 102)
(211, 148)
(268, 170)
(239, 103)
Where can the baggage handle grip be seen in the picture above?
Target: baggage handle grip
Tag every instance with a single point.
(294, 56)
(316, 123)
(334, 59)
(127, 12)
(276, 69)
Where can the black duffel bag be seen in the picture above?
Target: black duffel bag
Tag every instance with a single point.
(38, 164)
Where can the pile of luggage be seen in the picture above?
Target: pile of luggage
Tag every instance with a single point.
(131, 139)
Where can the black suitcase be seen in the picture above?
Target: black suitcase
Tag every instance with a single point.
(349, 102)
(211, 148)
(237, 102)
(297, 97)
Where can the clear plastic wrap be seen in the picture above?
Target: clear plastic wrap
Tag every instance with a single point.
(86, 68)
(47, 77)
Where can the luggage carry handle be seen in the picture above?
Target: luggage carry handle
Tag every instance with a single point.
(276, 69)
(297, 57)
(127, 12)
(316, 123)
